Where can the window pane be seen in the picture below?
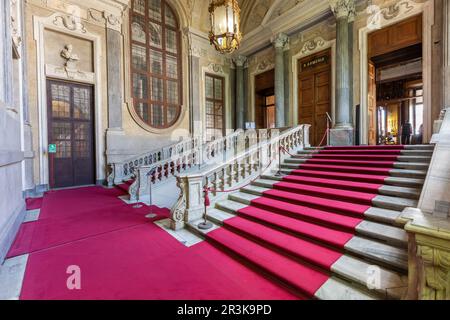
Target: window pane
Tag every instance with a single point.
(154, 9)
(139, 86)
(60, 101)
(156, 89)
(172, 92)
(219, 122)
(218, 89)
(209, 107)
(139, 6)
(63, 149)
(139, 57)
(172, 67)
(137, 29)
(156, 62)
(172, 113)
(171, 41)
(209, 87)
(157, 115)
(209, 121)
(218, 108)
(142, 111)
(61, 131)
(81, 103)
(81, 136)
(155, 35)
(170, 17)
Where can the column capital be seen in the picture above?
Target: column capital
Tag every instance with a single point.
(343, 9)
(280, 41)
(239, 60)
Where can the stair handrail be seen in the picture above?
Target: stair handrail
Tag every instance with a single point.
(183, 160)
(233, 172)
(120, 171)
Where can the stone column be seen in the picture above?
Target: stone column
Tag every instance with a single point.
(342, 133)
(194, 96)
(280, 42)
(240, 106)
(446, 47)
(351, 20)
(114, 68)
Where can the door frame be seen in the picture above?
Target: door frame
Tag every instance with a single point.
(44, 71)
(379, 20)
(312, 73)
(309, 48)
(92, 121)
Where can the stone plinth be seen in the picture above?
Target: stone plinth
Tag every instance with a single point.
(341, 137)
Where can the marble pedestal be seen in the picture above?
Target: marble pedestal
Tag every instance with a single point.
(341, 137)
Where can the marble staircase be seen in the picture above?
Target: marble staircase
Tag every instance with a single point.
(348, 205)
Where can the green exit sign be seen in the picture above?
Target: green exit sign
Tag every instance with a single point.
(52, 148)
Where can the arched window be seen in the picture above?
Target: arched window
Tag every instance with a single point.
(155, 63)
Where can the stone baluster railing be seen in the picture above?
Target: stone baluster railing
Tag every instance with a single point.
(428, 225)
(125, 170)
(182, 160)
(234, 172)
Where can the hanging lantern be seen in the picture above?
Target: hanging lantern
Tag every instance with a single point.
(225, 34)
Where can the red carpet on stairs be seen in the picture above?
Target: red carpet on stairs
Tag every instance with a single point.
(297, 230)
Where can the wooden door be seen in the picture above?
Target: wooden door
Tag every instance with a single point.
(372, 105)
(314, 92)
(71, 130)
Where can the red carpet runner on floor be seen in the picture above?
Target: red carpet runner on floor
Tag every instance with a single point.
(123, 255)
(294, 232)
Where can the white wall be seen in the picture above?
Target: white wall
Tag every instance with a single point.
(12, 204)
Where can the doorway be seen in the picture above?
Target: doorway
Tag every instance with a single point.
(265, 116)
(314, 93)
(395, 84)
(70, 134)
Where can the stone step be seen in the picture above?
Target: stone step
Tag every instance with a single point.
(392, 284)
(404, 192)
(404, 182)
(406, 173)
(392, 181)
(373, 213)
(400, 158)
(402, 173)
(406, 152)
(380, 201)
(334, 288)
(372, 249)
(409, 147)
(380, 231)
(397, 164)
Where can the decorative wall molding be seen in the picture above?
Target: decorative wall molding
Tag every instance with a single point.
(110, 20)
(70, 22)
(65, 73)
(379, 16)
(312, 45)
(215, 68)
